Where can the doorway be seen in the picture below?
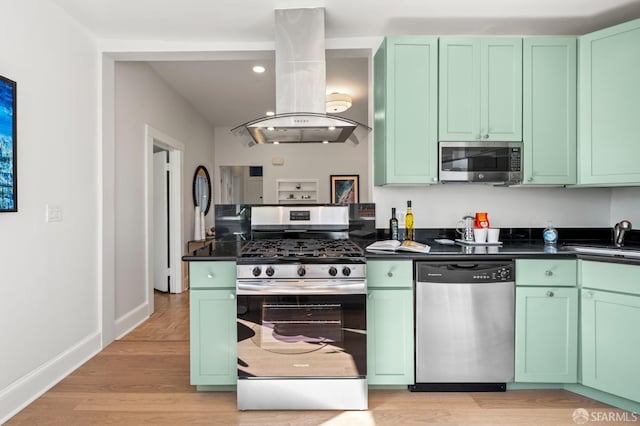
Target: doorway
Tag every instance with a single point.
(161, 220)
(241, 185)
(163, 213)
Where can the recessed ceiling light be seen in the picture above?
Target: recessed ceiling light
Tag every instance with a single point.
(325, 141)
(276, 142)
(332, 127)
(270, 128)
(258, 69)
(270, 113)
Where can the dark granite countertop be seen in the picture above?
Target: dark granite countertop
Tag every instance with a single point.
(526, 249)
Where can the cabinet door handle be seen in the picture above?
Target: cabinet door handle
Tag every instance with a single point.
(370, 296)
(530, 179)
(550, 294)
(548, 273)
(486, 136)
(389, 274)
(209, 275)
(587, 295)
(232, 296)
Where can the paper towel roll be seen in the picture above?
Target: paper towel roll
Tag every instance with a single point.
(197, 227)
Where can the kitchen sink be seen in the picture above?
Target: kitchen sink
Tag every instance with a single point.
(608, 251)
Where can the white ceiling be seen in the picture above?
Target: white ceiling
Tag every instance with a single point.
(227, 93)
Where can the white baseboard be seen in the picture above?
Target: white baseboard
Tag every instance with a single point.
(131, 320)
(28, 388)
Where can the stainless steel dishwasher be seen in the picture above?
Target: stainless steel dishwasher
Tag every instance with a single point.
(464, 326)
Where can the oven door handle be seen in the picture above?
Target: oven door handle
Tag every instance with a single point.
(345, 288)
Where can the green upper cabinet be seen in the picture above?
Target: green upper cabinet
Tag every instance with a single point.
(480, 92)
(549, 110)
(405, 118)
(608, 121)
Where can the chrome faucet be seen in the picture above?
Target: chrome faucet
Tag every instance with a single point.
(619, 230)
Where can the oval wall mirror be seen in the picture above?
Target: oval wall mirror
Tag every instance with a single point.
(202, 189)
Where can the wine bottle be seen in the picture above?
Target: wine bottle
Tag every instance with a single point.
(393, 224)
(408, 221)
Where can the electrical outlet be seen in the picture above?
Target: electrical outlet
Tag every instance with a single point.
(54, 213)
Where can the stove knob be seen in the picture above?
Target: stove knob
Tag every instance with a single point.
(256, 271)
(333, 271)
(270, 271)
(346, 271)
(301, 271)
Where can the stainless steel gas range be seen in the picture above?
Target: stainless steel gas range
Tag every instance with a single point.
(301, 286)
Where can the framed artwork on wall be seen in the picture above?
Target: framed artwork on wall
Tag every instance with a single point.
(8, 171)
(345, 189)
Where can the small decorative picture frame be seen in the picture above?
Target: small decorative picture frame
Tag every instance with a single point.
(8, 166)
(345, 189)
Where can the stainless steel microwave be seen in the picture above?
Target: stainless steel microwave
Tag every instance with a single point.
(482, 162)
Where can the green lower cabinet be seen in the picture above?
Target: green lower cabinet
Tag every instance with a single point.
(546, 334)
(611, 343)
(390, 358)
(213, 337)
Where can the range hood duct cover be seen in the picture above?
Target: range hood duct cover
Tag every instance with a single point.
(300, 86)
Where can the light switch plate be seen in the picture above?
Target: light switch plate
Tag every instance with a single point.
(54, 213)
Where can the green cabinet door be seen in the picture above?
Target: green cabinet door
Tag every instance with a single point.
(213, 337)
(549, 110)
(390, 359)
(501, 89)
(610, 343)
(546, 334)
(609, 89)
(480, 89)
(459, 91)
(405, 117)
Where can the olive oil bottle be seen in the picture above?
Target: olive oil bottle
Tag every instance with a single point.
(408, 221)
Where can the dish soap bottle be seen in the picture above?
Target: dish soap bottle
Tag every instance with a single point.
(393, 224)
(550, 235)
(408, 221)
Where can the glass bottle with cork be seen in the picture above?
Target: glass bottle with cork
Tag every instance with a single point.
(408, 221)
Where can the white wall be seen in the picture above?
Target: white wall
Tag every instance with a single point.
(441, 206)
(142, 97)
(625, 204)
(301, 161)
(49, 308)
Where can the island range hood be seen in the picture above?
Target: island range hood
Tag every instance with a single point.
(300, 87)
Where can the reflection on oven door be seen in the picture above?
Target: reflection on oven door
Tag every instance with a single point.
(297, 336)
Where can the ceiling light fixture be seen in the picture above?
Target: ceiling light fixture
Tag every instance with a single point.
(259, 69)
(338, 102)
(276, 143)
(270, 113)
(325, 141)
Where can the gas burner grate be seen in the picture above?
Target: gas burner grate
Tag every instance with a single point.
(307, 248)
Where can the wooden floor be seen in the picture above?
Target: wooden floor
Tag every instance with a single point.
(143, 379)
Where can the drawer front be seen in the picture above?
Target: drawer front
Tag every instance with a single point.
(389, 273)
(620, 277)
(546, 272)
(212, 274)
